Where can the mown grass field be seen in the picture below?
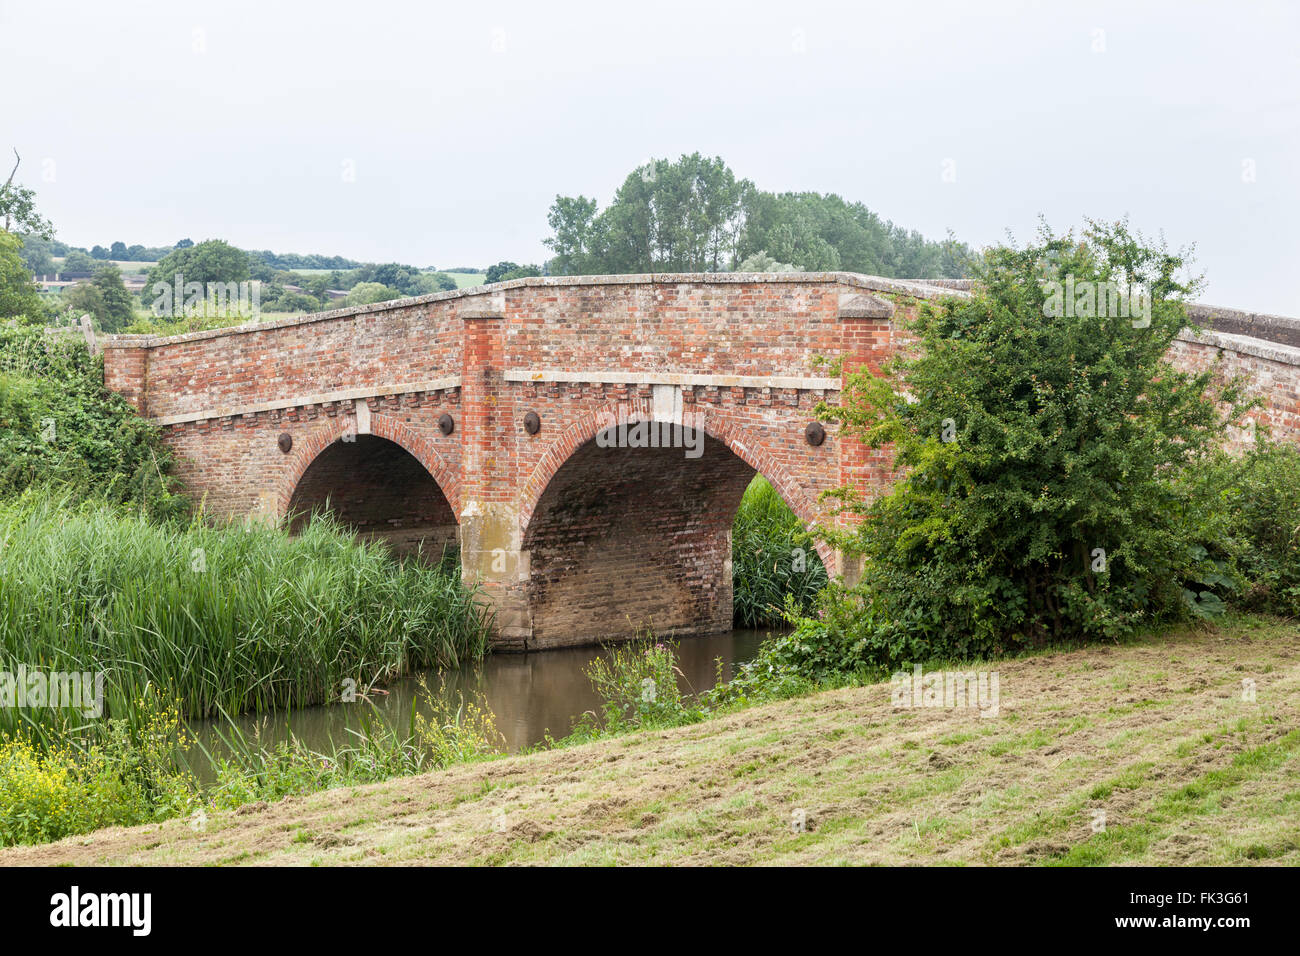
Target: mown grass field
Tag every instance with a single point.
(1157, 735)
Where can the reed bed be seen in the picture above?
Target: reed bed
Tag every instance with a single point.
(772, 557)
(225, 619)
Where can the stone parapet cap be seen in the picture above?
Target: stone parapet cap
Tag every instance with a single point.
(1255, 325)
(1245, 345)
(692, 380)
(862, 305)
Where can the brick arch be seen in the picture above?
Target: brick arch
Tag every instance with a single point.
(717, 426)
(381, 426)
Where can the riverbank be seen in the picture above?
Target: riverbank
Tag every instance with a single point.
(1160, 736)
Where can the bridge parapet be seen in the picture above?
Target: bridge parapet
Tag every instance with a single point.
(501, 394)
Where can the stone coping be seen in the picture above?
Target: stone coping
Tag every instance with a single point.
(692, 380)
(1244, 345)
(343, 395)
(1254, 325)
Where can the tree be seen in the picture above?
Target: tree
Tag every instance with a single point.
(826, 233)
(18, 207)
(1039, 442)
(18, 294)
(210, 261)
(666, 217)
(368, 293)
(504, 271)
(118, 310)
(117, 251)
(762, 262)
(318, 285)
(78, 261)
(430, 282)
(86, 298)
(37, 255)
(572, 222)
(694, 215)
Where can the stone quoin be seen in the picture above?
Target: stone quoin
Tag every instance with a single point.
(475, 418)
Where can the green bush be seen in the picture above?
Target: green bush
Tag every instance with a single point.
(58, 423)
(1039, 446)
(1250, 526)
(772, 557)
(123, 772)
(637, 683)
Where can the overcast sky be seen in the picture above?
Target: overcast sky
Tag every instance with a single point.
(440, 134)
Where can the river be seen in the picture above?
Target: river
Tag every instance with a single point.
(530, 695)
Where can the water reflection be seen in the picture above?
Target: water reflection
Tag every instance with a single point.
(530, 694)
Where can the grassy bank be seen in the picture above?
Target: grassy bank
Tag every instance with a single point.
(1155, 733)
(181, 621)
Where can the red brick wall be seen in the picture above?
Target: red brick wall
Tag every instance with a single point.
(1270, 371)
(770, 328)
(232, 368)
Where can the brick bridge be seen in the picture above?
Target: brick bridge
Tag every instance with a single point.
(585, 440)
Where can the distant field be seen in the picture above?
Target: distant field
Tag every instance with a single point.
(127, 268)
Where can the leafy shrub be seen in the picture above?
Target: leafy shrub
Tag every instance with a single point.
(1037, 503)
(637, 683)
(188, 322)
(1250, 511)
(58, 423)
(457, 734)
(828, 647)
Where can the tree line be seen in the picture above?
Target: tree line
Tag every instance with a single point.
(695, 215)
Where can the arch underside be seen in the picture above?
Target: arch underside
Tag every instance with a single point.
(625, 540)
(381, 492)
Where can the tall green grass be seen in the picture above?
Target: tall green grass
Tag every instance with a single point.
(224, 619)
(772, 557)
